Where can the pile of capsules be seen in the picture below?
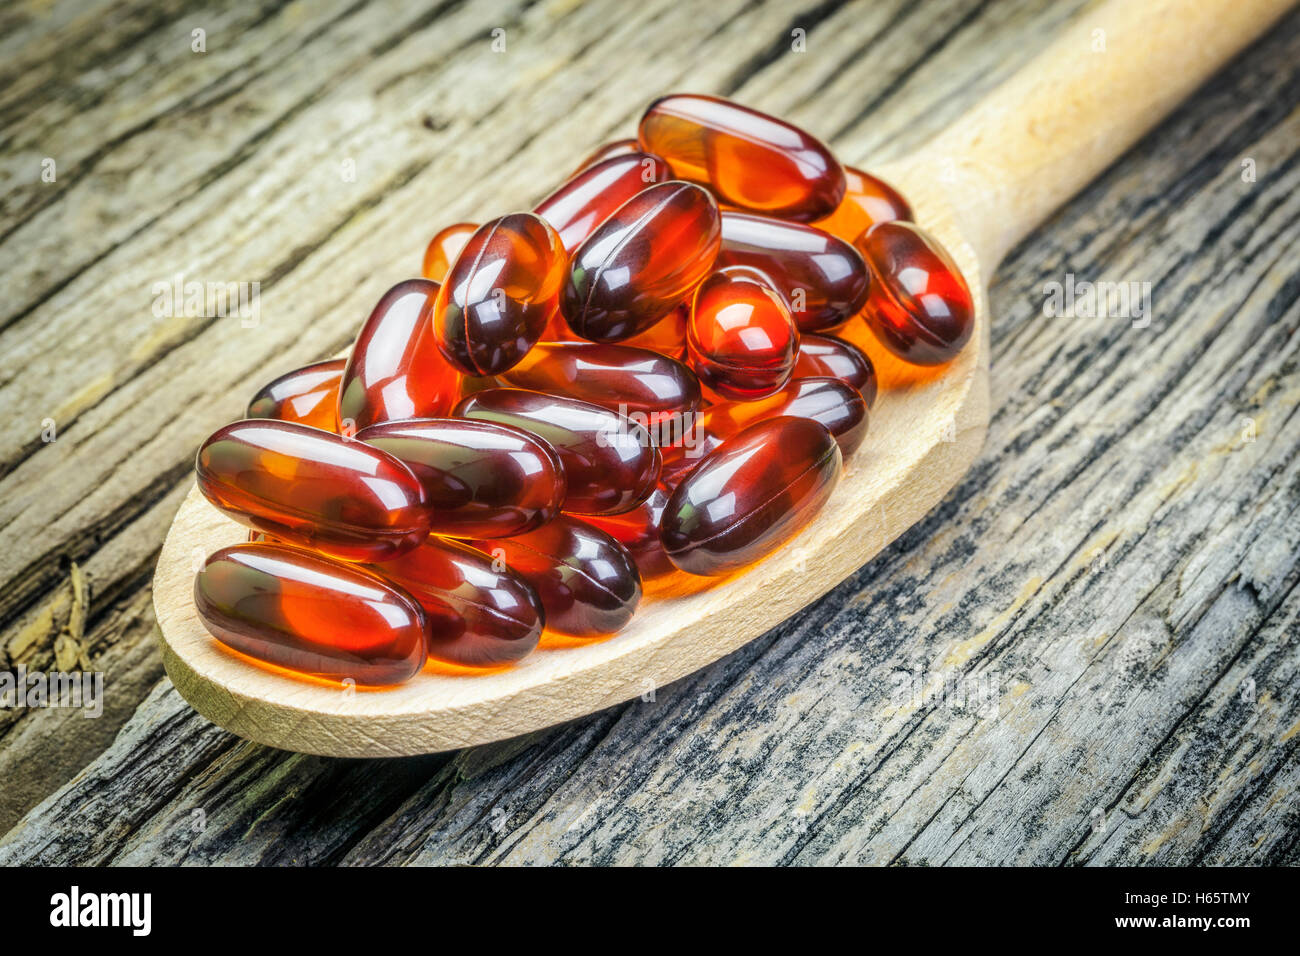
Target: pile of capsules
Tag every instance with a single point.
(631, 382)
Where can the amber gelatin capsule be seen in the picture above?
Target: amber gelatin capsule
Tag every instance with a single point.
(825, 355)
(638, 531)
(610, 465)
(867, 201)
(299, 610)
(481, 479)
(641, 262)
(823, 279)
(444, 248)
(741, 339)
(752, 494)
(313, 488)
(587, 582)
(307, 395)
(596, 191)
(480, 613)
(395, 369)
(645, 385)
(618, 147)
(750, 159)
(920, 307)
(829, 401)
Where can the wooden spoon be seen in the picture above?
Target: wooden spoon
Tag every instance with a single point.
(979, 187)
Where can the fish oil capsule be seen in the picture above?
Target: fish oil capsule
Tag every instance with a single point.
(641, 262)
(610, 465)
(825, 355)
(823, 279)
(299, 610)
(307, 396)
(499, 294)
(751, 495)
(667, 336)
(618, 147)
(585, 201)
(395, 369)
(741, 339)
(481, 479)
(587, 582)
(832, 403)
(750, 159)
(444, 248)
(312, 488)
(867, 201)
(480, 613)
(638, 531)
(645, 386)
(920, 307)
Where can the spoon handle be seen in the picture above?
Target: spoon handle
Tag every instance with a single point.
(1058, 122)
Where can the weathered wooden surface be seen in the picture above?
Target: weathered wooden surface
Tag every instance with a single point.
(1118, 572)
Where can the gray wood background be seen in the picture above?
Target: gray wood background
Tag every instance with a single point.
(1102, 618)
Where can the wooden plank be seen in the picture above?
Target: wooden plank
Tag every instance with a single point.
(1118, 568)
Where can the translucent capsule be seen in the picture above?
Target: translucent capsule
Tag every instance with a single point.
(748, 497)
(480, 613)
(638, 531)
(302, 611)
(499, 294)
(741, 339)
(750, 159)
(867, 201)
(834, 404)
(920, 307)
(481, 479)
(667, 336)
(646, 386)
(312, 488)
(307, 395)
(395, 369)
(823, 279)
(618, 147)
(641, 262)
(596, 191)
(444, 248)
(825, 355)
(587, 582)
(610, 465)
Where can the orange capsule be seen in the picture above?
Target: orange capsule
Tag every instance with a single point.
(307, 395)
(587, 582)
(481, 479)
(750, 496)
(638, 531)
(300, 610)
(641, 262)
(444, 248)
(312, 488)
(667, 336)
(825, 355)
(867, 201)
(645, 386)
(610, 465)
(588, 199)
(618, 147)
(741, 339)
(395, 369)
(834, 404)
(920, 307)
(480, 613)
(823, 279)
(750, 159)
(499, 294)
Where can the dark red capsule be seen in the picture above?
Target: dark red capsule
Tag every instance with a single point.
(313, 488)
(595, 192)
(741, 339)
(395, 369)
(481, 479)
(480, 613)
(610, 465)
(302, 611)
(587, 582)
(307, 395)
(638, 531)
(835, 404)
(641, 262)
(499, 294)
(823, 279)
(825, 355)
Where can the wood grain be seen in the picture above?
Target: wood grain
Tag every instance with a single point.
(1121, 564)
